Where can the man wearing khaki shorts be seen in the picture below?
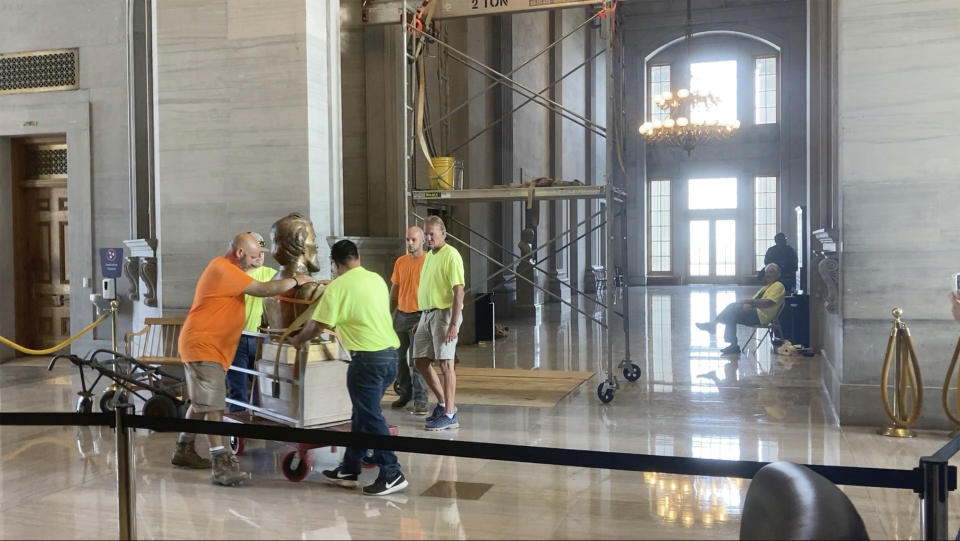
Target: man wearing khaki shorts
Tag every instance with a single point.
(207, 344)
(440, 298)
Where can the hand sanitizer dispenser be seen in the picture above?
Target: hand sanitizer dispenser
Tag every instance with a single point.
(109, 288)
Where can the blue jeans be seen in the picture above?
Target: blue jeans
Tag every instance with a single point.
(369, 375)
(237, 381)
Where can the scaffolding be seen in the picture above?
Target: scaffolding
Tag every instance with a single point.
(415, 18)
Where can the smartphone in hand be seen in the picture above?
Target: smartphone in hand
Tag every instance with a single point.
(956, 283)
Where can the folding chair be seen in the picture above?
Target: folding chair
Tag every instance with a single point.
(769, 330)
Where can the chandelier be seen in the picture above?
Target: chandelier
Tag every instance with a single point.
(680, 128)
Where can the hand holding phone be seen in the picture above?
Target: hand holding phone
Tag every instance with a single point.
(955, 297)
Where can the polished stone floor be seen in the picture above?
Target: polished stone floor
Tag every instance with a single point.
(690, 401)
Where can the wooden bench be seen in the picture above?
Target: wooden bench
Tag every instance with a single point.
(156, 343)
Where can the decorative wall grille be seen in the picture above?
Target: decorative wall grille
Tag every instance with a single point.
(39, 71)
(46, 161)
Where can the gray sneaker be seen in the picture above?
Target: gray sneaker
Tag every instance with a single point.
(226, 471)
(442, 423)
(438, 411)
(186, 457)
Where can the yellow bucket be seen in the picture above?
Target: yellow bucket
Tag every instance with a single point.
(441, 173)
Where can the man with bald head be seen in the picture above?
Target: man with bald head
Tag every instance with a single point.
(207, 344)
(406, 313)
(245, 357)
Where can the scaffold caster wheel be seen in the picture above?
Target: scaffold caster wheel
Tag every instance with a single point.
(631, 372)
(295, 473)
(605, 392)
(236, 445)
(106, 400)
(84, 405)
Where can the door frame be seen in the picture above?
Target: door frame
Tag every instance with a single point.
(68, 113)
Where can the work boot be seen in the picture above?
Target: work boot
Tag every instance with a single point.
(186, 457)
(226, 471)
(420, 408)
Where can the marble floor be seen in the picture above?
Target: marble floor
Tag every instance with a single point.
(60, 482)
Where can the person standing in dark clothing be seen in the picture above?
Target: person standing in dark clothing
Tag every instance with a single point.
(785, 257)
(357, 305)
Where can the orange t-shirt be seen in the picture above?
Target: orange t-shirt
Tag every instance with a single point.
(213, 326)
(406, 274)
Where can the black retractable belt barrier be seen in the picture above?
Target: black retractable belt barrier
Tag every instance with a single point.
(933, 479)
(841, 475)
(56, 419)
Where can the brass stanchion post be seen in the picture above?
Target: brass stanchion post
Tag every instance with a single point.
(954, 416)
(114, 308)
(900, 353)
(126, 494)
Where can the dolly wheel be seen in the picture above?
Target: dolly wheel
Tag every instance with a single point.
(236, 445)
(295, 473)
(106, 400)
(160, 406)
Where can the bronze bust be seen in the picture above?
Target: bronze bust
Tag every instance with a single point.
(294, 245)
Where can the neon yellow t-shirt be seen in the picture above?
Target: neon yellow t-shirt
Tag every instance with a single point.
(441, 272)
(777, 294)
(254, 305)
(357, 304)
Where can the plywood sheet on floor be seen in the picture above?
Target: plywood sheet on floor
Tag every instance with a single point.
(512, 387)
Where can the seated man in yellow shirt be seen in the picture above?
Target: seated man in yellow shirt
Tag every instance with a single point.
(761, 309)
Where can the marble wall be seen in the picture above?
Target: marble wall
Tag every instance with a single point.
(248, 127)
(324, 109)
(899, 183)
(94, 120)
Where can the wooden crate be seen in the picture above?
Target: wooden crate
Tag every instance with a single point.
(324, 382)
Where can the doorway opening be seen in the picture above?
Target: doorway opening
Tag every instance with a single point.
(40, 247)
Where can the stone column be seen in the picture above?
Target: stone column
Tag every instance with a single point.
(247, 123)
(897, 186)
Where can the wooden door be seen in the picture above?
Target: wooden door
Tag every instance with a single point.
(41, 247)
